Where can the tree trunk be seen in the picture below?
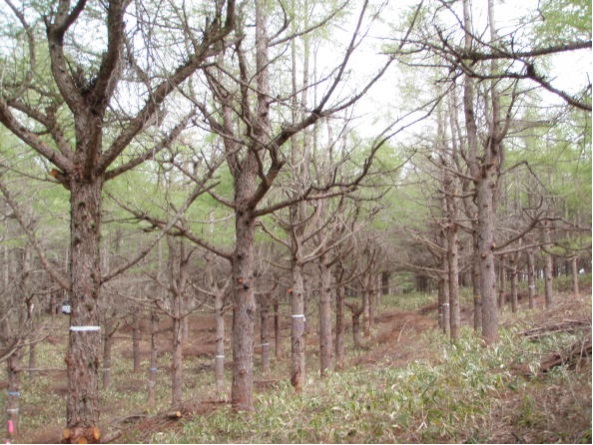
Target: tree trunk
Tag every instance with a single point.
(32, 358)
(185, 330)
(13, 395)
(453, 278)
(548, 267)
(385, 290)
(325, 319)
(82, 359)
(575, 276)
(366, 311)
(484, 171)
(443, 300)
(136, 336)
(219, 347)
(514, 297)
(485, 245)
(502, 273)
(297, 377)
(243, 295)
(152, 371)
(531, 278)
(356, 330)
(277, 346)
(264, 333)
(108, 338)
(475, 271)
(339, 328)
(177, 361)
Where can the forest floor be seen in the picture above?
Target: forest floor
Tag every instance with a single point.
(407, 384)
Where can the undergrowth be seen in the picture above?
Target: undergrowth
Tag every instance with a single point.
(457, 393)
(453, 397)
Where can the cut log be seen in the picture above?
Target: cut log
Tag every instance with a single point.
(174, 415)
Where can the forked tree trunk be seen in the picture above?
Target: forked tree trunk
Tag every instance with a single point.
(356, 312)
(297, 376)
(325, 322)
(219, 346)
(356, 330)
(484, 172)
(82, 359)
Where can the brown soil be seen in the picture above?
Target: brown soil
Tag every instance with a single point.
(395, 343)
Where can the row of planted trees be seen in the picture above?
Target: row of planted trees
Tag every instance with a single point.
(92, 122)
(492, 200)
(170, 285)
(209, 126)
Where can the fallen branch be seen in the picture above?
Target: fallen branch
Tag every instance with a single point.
(579, 351)
(571, 358)
(568, 326)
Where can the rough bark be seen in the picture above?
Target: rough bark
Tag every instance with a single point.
(484, 171)
(243, 295)
(82, 359)
(485, 247)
